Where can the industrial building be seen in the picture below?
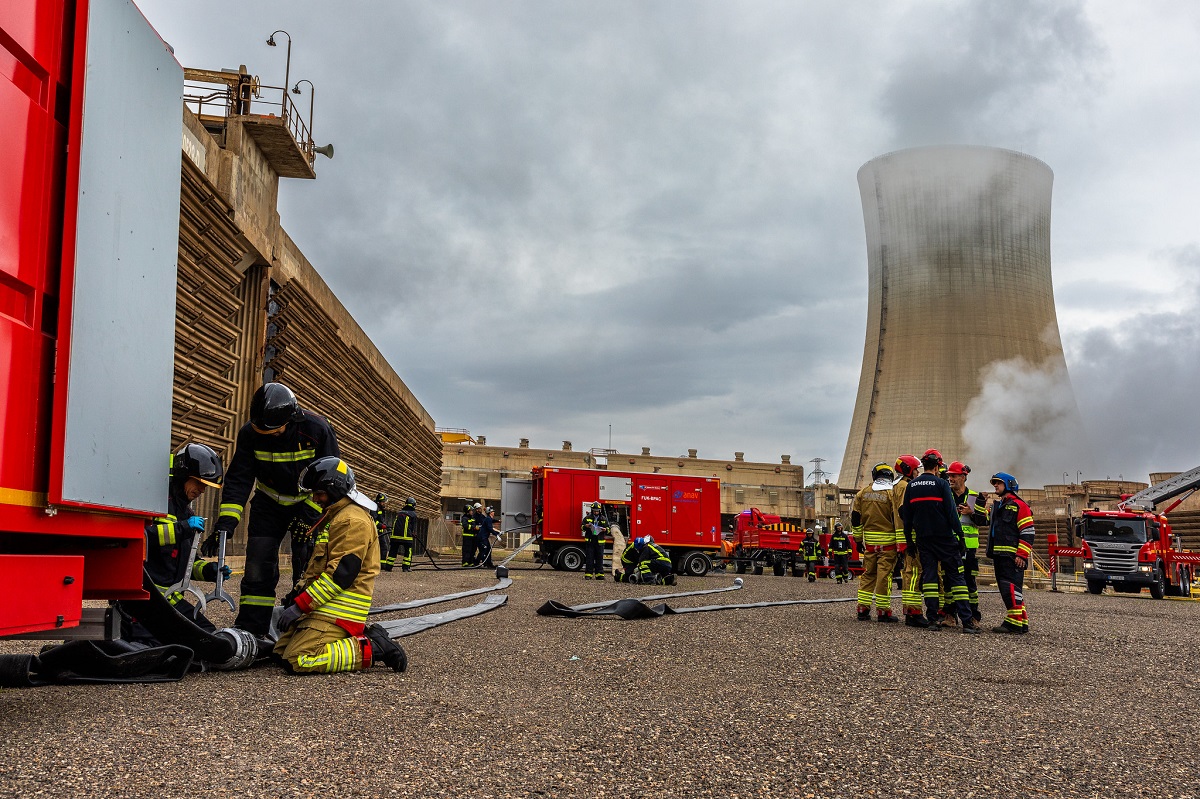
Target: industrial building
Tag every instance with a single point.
(958, 271)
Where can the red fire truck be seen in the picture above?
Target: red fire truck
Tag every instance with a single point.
(764, 540)
(1132, 547)
(90, 101)
(681, 513)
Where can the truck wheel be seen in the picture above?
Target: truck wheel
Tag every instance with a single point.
(570, 559)
(740, 567)
(780, 567)
(758, 567)
(1095, 587)
(694, 564)
(1185, 583)
(1158, 588)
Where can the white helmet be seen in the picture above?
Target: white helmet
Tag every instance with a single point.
(649, 539)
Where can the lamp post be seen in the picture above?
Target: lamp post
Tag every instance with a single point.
(312, 97)
(1065, 478)
(287, 67)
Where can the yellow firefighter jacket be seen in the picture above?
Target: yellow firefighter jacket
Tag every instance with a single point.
(340, 578)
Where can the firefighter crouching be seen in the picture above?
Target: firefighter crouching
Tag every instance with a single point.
(839, 548)
(874, 517)
(646, 562)
(972, 514)
(402, 537)
(194, 468)
(1010, 546)
(272, 449)
(323, 624)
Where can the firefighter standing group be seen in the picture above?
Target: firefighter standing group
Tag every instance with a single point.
(926, 522)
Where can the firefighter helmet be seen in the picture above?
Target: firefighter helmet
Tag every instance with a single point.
(958, 467)
(838, 526)
(331, 475)
(410, 503)
(272, 406)
(381, 498)
(907, 465)
(639, 542)
(881, 469)
(1007, 480)
(649, 539)
(931, 459)
(199, 461)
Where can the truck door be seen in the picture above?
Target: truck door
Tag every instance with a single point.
(650, 508)
(516, 506)
(686, 517)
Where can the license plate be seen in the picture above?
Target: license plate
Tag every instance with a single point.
(1116, 578)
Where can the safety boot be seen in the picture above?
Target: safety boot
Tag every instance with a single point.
(384, 649)
(947, 621)
(971, 627)
(599, 576)
(1008, 628)
(587, 576)
(864, 613)
(916, 620)
(886, 617)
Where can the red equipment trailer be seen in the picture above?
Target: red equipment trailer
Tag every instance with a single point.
(764, 540)
(681, 513)
(88, 238)
(1133, 547)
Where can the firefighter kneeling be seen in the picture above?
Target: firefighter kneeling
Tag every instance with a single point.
(646, 562)
(323, 625)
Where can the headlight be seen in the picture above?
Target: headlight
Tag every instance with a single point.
(1146, 569)
(1087, 564)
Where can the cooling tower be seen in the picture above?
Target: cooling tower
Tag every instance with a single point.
(961, 328)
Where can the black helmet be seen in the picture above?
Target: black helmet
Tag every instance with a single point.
(381, 498)
(272, 406)
(331, 475)
(199, 461)
(410, 503)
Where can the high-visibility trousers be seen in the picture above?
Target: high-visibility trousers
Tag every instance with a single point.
(317, 645)
(875, 583)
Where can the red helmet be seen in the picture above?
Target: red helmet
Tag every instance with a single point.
(931, 456)
(907, 465)
(958, 467)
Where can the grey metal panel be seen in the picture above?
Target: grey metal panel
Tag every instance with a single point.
(516, 502)
(118, 413)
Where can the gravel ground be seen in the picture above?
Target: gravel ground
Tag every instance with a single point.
(800, 701)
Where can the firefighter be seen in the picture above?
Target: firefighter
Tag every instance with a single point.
(323, 624)
(1010, 546)
(272, 449)
(910, 565)
(402, 537)
(484, 530)
(630, 556)
(594, 528)
(812, 551)
(194, 469)
(932, 528)
(379, 515)
(972, 514)
(468, 536)
(654, 564)
(873, 517)
(839, 547)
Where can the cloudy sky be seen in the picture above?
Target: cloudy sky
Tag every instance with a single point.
(557, 216)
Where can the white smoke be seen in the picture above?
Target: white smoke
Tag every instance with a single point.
(1025, 422)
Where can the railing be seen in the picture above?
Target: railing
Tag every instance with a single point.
(242, 96)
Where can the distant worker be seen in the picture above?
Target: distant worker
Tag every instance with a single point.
(840, 549)
(812, 551)
(379, 515)
(322, 627)
(873, 517)
(484, 530)
(912, 603)
(402, 537)
(469, 529)
(594, 529)
(272, 449)
(169, 539)
(972, 514)
(931, 526)
(1010, 546)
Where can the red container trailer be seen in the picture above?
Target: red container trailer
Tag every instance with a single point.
(682, 513)
(88, 237)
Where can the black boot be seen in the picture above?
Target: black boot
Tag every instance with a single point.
(384, 649)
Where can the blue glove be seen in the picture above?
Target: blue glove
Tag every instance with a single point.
(196, 523)
(226, 572)
(290, 616)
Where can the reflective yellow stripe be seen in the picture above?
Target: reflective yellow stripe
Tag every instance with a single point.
(349, 606)
(880, 538)
(286, 457)
(323, 589)
(258, 601)
(232, 510)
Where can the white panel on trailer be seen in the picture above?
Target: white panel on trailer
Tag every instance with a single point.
(117, 431)
(616, 489)
(516, 504)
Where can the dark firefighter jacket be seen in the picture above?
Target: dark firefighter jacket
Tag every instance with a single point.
(839, 543)
(1012, 530)
(274, 463)
(594, 528)
(406, 524)
(811, 547)
(340, 578)
(169, 542)
(379, 516)
(929, 512)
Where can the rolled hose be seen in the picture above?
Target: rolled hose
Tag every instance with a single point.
(245, 649)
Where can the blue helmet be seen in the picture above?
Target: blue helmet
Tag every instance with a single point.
(639, 542)
(1010, 482)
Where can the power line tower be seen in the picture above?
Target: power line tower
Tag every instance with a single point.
(818, 476)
